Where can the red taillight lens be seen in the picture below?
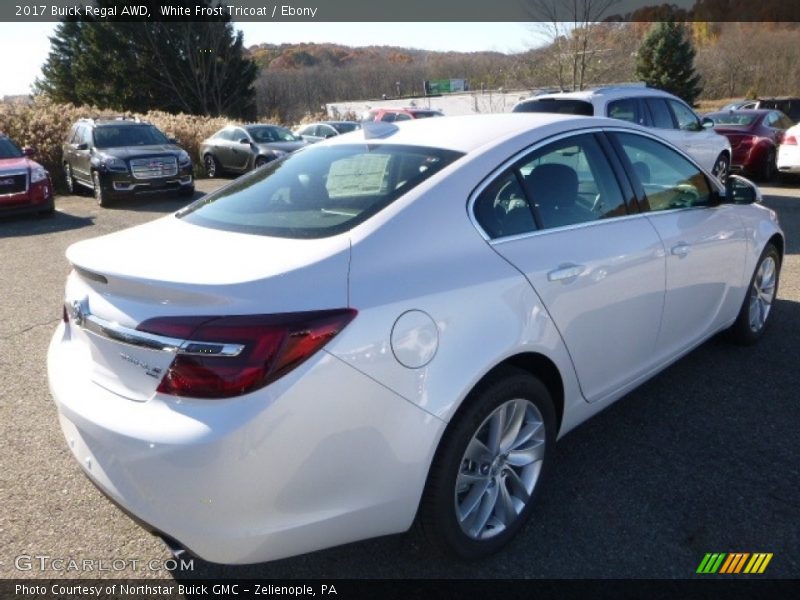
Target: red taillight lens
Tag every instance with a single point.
(272, 345)
(789, 140)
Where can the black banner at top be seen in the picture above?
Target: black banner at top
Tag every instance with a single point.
(405, 11)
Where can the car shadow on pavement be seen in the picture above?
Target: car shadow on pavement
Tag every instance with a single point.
(24, 225)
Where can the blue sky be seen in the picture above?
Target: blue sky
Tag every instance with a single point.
(28, 43)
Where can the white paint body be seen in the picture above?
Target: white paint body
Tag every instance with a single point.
(339, 449)
(788, 160)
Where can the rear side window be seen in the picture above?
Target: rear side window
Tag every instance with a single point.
(564, 106)
(319, 191)
(626, 109)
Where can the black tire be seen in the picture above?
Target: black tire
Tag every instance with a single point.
(49, 210)
(101, 195)
(186, 192)
(769, 168)
(70, 180)
(748, 327)
(722, 167)
(510, 388)
(213, 168)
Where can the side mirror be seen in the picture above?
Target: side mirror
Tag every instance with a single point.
(329, 135)
(173, 140)
(29, 151)
(83, 146)
(739, 190)
(244, 141)
(707, 123)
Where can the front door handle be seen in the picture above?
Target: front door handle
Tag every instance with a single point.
(566, 273)
(681, 250)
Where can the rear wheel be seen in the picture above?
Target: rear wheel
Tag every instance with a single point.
(486, 472)
(757, 305)
(769, 168)
(721, 167)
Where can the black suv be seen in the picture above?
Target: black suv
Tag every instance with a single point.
(121, 157)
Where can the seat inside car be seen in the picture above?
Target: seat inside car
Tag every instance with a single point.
(554, 190)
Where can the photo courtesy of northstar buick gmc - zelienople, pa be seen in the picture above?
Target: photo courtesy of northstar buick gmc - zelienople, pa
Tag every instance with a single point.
(396, 324)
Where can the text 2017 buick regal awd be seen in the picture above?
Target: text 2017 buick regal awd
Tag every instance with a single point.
(395, 324)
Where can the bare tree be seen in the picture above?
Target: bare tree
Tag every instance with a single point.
(571, 28)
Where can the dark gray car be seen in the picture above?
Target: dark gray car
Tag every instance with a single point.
(240, 148)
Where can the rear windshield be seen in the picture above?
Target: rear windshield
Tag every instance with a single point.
(112, 136)
(8, 149)
(564, 106)
(318, 192)
(733, 118)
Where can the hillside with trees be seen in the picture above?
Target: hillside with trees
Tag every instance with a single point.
(732, 60)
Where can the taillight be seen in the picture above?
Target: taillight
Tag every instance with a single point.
(789, 140)
(230, 356)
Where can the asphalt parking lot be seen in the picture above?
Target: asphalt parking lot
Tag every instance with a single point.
(703, 458)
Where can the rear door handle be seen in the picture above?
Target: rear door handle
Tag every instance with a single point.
(681, 249)
(565, 273)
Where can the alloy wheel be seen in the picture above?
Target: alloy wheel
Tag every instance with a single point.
(762, 293)
(499, 469)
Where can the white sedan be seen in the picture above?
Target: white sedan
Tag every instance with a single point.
(789, 152)
(396, 324)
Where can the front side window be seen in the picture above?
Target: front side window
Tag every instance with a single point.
(669, 180)
(318, 192)
(685, 116)
(659, 111)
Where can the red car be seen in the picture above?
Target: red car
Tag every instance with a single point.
(400, 114)
(754, 136)
(25, 185)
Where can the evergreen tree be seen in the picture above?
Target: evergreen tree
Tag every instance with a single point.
(179, 65)
(666, 61)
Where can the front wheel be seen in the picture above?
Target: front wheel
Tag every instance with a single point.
(722, 167)
(484, 477)
(101, 195)
(213, 168)
(757, 305)
(769, 168)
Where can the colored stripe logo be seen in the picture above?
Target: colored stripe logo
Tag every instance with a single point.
(734, 563)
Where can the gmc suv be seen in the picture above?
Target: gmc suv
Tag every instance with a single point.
(122, 157)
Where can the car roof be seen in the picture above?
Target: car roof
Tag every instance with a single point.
(467, 133)
(622, 91)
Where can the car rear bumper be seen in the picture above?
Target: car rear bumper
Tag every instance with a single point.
(323, 456)
(789, 159)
